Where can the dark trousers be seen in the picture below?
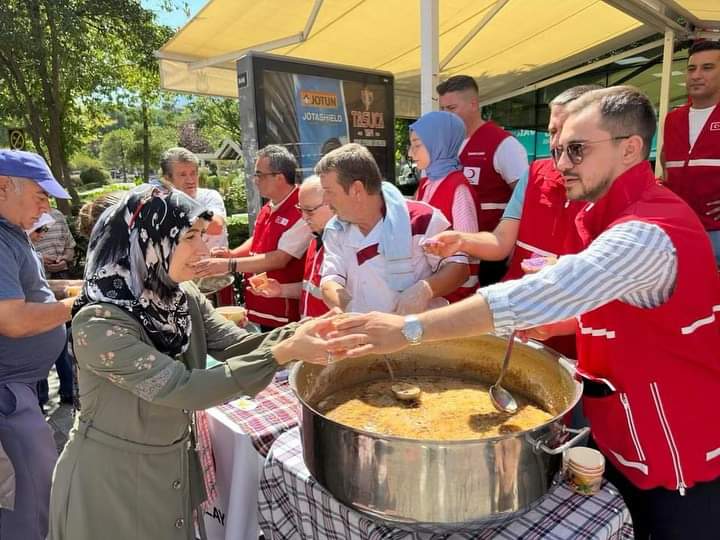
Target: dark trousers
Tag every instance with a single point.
(64, 370)
(662, 514)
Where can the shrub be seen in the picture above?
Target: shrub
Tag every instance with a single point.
(93, 176)
(237, 225)
(235, 195)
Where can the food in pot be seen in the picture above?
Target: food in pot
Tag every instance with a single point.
(448, 408)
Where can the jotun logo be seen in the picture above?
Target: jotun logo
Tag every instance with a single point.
(324, 100)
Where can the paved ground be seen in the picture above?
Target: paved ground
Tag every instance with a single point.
(58, 415)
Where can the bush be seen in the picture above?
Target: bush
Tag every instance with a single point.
(94, 176)
(235, 195)
(238, 232)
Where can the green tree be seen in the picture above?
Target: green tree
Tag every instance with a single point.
(58, 60)
(116, 150)
(217, 119)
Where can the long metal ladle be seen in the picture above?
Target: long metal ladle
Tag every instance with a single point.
(501, 398)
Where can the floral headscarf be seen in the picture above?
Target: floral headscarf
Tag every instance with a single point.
(129, 257)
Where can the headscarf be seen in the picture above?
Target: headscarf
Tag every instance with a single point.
(442, 133)
(129, 257)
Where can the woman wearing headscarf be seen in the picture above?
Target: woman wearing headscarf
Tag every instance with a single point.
(435, 141)
(129, 469)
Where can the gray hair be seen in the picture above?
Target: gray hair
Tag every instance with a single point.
(352, 162)
(624, 111)
(176, 155)
(571, 94)
(280, 160)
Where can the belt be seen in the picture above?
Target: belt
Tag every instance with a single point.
(87, 430)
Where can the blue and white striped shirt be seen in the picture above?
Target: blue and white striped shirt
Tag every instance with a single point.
(634, 262)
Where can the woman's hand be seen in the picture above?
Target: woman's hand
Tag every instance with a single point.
(309, 343)
(210, 267)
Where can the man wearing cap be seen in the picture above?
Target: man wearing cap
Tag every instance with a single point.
(32, 334)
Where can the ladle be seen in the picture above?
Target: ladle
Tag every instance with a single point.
(501, 398)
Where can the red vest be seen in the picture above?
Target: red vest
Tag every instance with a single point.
(311, 298)
(660, 428)
(547, 227)
(491, 191)
(443, 199)
(269, 227)
(693, 174)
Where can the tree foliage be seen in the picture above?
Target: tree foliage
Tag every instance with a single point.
(59, 59)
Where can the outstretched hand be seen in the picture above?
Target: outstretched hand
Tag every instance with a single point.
(445, 244)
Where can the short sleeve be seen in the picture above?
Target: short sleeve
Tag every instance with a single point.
(510, 160)
(10, 284)
(333, 267)
(296, 239)
(214, 202)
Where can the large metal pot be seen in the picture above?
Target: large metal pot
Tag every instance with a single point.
(440, 485)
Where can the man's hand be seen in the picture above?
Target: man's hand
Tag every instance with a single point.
(210, 267)
(546, 331)
(270, 289)
(714, 210)
(56, 266)
(370, 333)
(220, 253)
(414, 299)
(445, 244)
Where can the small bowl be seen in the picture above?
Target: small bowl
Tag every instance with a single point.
(584, 468)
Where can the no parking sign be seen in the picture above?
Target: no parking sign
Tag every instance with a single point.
(16, 137)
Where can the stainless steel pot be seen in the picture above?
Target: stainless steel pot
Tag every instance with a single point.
(440, 485)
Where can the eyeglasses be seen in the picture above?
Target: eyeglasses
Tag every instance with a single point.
(42, 230)
(261, 174)
(576, 150)
(309, 211)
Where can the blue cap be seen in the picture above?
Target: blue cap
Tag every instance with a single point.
(33, 167)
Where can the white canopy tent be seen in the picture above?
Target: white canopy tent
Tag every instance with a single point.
(509, 46)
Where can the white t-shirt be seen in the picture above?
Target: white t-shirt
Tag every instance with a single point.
(212, 200)
(366, 281)
(510, 160)
(698, 117)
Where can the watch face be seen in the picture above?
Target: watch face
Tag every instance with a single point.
(412, 330)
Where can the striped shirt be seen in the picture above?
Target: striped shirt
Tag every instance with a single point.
(634, 262)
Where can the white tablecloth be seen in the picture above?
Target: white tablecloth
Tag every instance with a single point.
(237, 468)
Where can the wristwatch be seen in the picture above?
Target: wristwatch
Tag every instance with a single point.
(412, 330)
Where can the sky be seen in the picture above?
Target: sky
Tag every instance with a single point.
(178, 17)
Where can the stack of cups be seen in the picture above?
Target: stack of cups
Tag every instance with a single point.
(584, 468)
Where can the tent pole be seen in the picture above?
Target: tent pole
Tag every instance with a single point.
(429, 61)
(664, 94)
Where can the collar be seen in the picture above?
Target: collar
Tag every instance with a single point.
(625, 190)
(274, 207)
(14, 229)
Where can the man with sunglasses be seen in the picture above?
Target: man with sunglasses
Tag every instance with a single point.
(641, 296)
(316, 214)
(691, 151)
(278, 243)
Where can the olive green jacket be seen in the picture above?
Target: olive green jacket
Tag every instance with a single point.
(128, 469)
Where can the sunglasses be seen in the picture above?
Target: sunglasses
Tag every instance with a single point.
(576, 150)
(42, 230)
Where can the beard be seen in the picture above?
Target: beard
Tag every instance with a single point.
(586, 193)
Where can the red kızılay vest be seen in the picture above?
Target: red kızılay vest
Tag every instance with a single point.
(547, 227)
(660, 426)
(311, 298)
(269, 227)
(694, 174)
(492, 192)
(442, 199)
(547, 224)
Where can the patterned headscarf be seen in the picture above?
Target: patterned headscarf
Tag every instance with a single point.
(129, 257)
(442, 133)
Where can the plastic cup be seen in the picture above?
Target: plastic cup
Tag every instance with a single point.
(73, 290)
(584, 468)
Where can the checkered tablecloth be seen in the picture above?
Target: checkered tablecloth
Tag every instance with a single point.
(292, 505)
(276, 412)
